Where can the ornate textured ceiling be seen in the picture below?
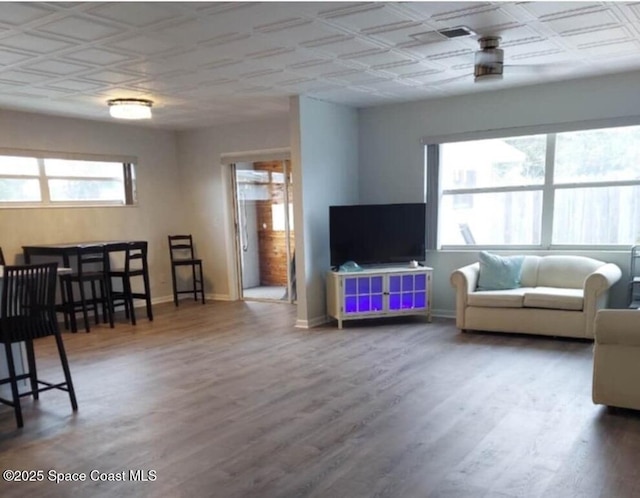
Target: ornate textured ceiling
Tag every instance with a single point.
(210, 63)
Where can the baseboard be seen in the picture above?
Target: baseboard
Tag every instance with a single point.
(138, 303)
(314, 322)
(169, 299)
(443, 313)
(218, 297)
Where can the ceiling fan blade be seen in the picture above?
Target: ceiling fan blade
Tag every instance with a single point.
(558, 68)
(449, 80)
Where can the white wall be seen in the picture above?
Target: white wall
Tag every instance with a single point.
(205, 191)
(325, 171)
(392, 157)
(159, 210)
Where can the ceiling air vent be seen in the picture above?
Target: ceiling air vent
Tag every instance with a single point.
(456, 32)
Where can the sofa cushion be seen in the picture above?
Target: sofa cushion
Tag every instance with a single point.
(566, 271)
(529, 275)
(554, 298)
(511, 298)
(499, 272)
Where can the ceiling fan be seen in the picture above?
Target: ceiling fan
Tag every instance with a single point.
(489, 60)
(489, 64)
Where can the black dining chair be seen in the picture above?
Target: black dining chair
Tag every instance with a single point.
(2, 261)
(27, 313)
(92, 272)
(183, 255)
(135, 266)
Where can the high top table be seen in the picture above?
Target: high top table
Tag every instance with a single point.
(68, 249)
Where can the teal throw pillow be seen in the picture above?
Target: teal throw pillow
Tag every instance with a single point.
(499, 272)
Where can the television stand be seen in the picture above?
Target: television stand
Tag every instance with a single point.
(383, 291)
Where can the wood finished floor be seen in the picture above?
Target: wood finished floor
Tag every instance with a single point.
(230, 400)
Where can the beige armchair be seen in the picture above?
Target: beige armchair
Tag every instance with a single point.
(616, 358)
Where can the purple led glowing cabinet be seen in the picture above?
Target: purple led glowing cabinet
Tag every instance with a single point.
(378, 292)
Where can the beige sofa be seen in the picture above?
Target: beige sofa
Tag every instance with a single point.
(616, 358)
(558, 296)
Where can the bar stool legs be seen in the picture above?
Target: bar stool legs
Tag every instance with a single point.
(182, 254)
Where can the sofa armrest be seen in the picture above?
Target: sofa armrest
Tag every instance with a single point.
(596, 292)
(602, 279)
(618, 327)
(464, 280)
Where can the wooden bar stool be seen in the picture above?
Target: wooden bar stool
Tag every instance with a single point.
(92, 271)
(135, 265)
(27, 313)
(183, 255)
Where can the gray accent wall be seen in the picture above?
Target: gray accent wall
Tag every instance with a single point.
(324, 156)
(392, 156)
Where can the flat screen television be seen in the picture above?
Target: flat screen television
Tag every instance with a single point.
(377, 233)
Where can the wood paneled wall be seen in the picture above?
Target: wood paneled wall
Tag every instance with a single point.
(272, 243)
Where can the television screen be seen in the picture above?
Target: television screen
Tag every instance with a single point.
(377, 233)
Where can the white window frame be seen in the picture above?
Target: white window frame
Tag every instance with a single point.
(129, 184)
(548, 188)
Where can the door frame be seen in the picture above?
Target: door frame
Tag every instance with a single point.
(231, 219)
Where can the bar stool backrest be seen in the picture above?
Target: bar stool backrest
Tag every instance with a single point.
(135, 256)
(91, 259)
(27, 309)
(181, 247)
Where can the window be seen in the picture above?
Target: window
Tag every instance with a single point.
(562, 189)
(53, 181)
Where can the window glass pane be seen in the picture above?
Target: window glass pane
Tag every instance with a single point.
(19, 190)
(491, 218)
(249, 192)
(598, 155)
(493, 163)
(88, 169)
(15, 165)
(603, 215)
(85, 190)
(251, 176)
(277, 217)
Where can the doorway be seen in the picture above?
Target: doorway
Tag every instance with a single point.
(265, 237)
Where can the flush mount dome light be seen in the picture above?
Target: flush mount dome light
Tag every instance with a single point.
(130, 108)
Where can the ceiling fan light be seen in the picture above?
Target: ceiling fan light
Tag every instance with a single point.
(130, 108)
(481, 78)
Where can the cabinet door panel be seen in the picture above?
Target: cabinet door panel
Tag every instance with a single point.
(364, 285)
(364, 303)
(376, 285)
(421, 282)
(350, 286)
(407, 283)
(407, 300)
(376, 302)
(395, 283)
(351, 304)
(394, 302)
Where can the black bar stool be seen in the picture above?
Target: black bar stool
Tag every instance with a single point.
(27, 312)
(182, 254)
(92, 269)
(135, 265)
